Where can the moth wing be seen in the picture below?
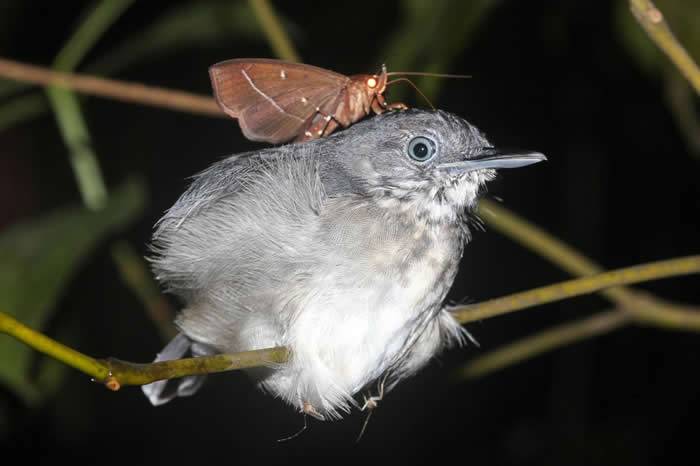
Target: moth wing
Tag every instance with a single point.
(274, 100)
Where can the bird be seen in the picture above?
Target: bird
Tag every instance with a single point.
(341, 249)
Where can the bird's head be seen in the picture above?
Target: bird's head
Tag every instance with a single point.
(429, 163)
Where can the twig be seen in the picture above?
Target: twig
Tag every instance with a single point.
(542, 342)
(46, 345)
(109, 88)
(271, 25)
(653, 22)
(651, 312)
(581, 286)
(556, 251)
(115, 373)
(640, 308)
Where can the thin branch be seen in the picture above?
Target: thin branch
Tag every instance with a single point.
(582, 286)
(115, 373)
(127, 373)
(110, 88)
(542, 342)
(650, 310)
(646, 312)
(56, 350)
(272, 27)
(556, 251)
(640, 308)
(653, 22)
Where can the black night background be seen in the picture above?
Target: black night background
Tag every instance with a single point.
(579, 81)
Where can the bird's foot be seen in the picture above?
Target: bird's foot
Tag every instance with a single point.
(308, 408)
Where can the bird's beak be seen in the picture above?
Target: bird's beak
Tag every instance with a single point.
(495, 158)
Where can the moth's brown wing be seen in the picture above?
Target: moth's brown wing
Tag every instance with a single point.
(297, 117)
(274, 100)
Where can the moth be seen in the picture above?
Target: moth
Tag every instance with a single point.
(277, 101)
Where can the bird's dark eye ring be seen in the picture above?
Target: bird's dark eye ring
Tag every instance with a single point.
(421, 149)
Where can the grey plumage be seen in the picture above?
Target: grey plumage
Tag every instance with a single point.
(342, 249)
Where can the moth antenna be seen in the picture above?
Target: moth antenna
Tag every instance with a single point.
(433, 75)
(414, 87)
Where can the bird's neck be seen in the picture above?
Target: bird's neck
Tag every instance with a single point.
(433, 206)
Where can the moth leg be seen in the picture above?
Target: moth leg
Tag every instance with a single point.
(380, 105)
(322, 127)
(331, 126)
(397, 106)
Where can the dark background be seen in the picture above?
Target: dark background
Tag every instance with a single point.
(621, 185)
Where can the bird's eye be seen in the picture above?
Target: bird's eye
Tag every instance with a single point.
(421, 149)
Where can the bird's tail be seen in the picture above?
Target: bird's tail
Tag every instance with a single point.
(162, 391)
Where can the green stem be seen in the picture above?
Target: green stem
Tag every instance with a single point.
(82, 158)
(115, 373)
(652, 21)
(272, 27)
(52, 348)
(582, 286)
(91, 29)
(556, 251)
(127, 373)
(542, 342)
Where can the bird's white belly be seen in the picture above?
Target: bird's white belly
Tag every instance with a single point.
(350, 331)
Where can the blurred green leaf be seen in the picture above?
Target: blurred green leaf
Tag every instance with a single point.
(683, 18)
(38, 258)
(189, 25)
(21, 109)
(430, 37)
(9, 88)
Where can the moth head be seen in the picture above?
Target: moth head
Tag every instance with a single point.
(376, 83)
